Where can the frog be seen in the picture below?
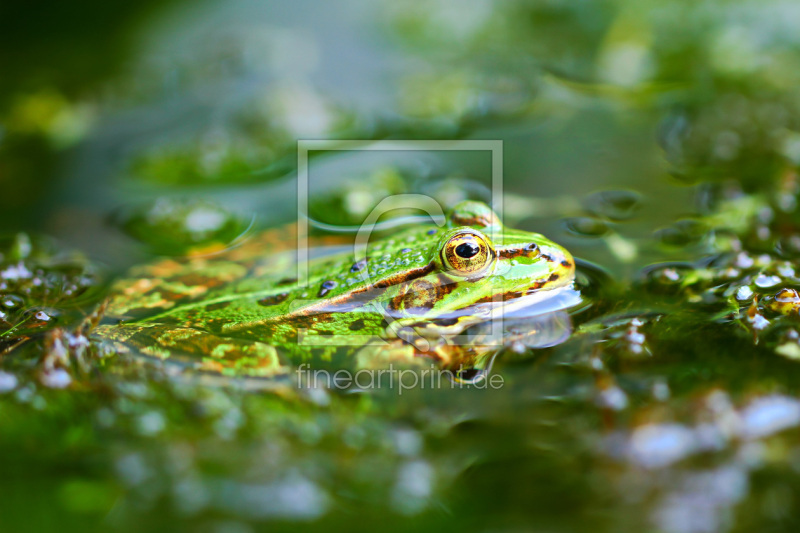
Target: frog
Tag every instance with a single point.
(409, 298)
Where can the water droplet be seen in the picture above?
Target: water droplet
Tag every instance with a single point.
(667, 273)
(744, 261)
(358, 265)
(661, 391)
(11, 301)
(8, 382)
(151, 423)
(786, 270)
(326, 287)
(57, 378)
(744, 293)
(765, 281)
(612, 398)
(763, 260)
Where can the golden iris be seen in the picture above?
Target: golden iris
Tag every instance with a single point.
(468, 253)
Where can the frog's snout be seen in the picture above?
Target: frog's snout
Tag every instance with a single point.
(561, 262)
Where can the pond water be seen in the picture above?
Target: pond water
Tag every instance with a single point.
(657, 141)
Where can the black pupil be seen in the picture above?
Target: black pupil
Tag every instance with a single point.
(467, 250)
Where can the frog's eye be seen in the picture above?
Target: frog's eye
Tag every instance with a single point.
(467, 253)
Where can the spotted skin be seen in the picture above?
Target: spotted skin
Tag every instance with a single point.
(242, 312)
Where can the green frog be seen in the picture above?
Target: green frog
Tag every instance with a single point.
(409, 298)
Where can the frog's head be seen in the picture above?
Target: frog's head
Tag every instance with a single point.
(477, 263)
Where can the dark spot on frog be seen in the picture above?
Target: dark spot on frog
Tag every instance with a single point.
(547, 258)
(529, 250)
(554, 276)
(218, 306)
(356, 325)
(445, 285)
(566, 264)
(358, 265)
(421, 295)
(274, 299)
(287, 281)
(327, 286)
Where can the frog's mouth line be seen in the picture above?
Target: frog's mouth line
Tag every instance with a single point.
(532, 303)
(531, 307)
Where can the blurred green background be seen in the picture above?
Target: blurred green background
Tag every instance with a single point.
(624, 123)
(105, 108)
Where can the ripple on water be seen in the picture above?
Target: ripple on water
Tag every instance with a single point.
(614, 205)
(589, 227)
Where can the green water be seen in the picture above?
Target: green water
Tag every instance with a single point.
(657, 140)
